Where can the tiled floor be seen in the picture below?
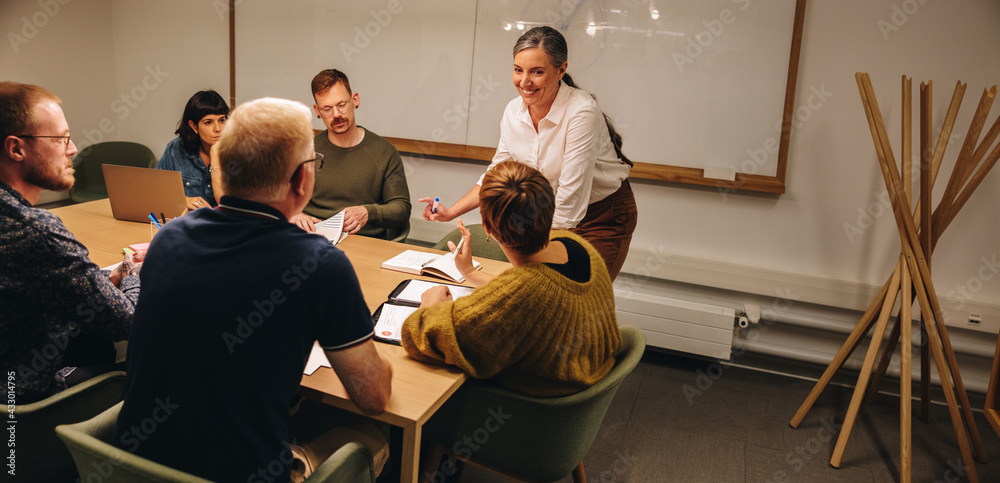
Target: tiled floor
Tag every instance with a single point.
(686, 420)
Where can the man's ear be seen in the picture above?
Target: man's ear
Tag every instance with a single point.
(299, 180)
(357, 100)
(13, 148)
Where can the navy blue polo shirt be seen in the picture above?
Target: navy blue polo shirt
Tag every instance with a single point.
(232, 300)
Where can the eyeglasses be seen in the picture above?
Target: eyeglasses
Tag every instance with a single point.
(319, 159)
(327, 112)
(64, 138)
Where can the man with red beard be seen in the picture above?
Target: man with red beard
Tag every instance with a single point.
(59, 313)
(364, 173)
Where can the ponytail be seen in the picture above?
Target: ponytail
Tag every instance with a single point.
(616, 138)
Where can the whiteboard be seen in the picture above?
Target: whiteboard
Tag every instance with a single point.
(406, 66)
(701, 85)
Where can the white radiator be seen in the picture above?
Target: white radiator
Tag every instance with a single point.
(679, 325)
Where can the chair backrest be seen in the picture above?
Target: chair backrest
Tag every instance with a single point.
(480, 247)
(531, 437)
(89, 184)
(399, 234)
(95, 456)
(40, 456)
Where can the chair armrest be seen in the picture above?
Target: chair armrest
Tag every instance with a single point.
(351, 463)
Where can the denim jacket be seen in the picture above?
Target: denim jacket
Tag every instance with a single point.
(197, 178)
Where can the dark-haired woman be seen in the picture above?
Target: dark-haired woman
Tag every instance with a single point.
(199, 128)
(559, 130)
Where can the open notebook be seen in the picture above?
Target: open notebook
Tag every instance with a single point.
(428, 264)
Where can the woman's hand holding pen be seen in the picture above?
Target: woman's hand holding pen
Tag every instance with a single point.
(463, 254)
(441, 213)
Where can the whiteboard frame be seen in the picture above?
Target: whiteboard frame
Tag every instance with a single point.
(648, 171)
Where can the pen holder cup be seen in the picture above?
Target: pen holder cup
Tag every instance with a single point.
(153, 229)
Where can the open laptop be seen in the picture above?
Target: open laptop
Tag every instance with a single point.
(136, 192)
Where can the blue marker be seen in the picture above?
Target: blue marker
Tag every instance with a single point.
(437, 202)
(152, 218)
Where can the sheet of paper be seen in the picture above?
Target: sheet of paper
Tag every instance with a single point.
(416, 288)
(317, 359)
(332, 228)
(391, 320)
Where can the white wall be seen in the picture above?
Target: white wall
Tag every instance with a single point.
(66, 47)
(94, 51)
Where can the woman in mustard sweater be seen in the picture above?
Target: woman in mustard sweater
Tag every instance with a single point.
(546, 326)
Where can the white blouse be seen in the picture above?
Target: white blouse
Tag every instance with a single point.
(572, 149)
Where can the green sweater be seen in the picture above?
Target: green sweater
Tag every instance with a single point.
(534, 330)
(369, 175)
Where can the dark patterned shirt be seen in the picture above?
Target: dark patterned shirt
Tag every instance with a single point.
(50, 292)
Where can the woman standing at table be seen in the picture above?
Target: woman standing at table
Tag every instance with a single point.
(198, 130)
(559, 130)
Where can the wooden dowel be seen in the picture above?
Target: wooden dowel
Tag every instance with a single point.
(905, 323)
(934, 163)
(867, 320)
(907, 141)
(866, 369)
(925, 372)
(928, 171)
(946, 218)
(964, 164)
(883, 363)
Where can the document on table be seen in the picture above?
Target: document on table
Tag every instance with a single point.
(317, 359)
(390, 320)
(415, 288)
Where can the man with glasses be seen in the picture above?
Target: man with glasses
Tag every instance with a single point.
(220, 370)
(59, 313)
(364, 173)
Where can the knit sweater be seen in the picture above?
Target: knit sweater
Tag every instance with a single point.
(369, 174)
(532, 329)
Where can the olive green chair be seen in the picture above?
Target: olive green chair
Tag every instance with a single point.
(40, 456)
(95, 457)
(528, 438)
(480, 247)
(399, 234)
(89, 184)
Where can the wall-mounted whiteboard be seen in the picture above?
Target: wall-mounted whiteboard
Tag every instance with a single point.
(689, 83)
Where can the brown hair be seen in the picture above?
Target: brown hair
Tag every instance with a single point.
(16, 104)
(329, 78)
(258, 148)
(516, 203)
(554, 44)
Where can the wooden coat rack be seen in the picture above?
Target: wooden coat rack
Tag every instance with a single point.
(911, 276)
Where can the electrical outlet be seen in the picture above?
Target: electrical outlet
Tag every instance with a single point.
(975, 320)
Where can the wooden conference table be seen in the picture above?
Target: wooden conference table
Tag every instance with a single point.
(418, 389)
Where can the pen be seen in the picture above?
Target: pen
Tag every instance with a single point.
(437, 202)
(152, 218)
(458, 247)
(163, 217)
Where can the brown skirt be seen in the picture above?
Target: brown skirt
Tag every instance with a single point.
(608, 226)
